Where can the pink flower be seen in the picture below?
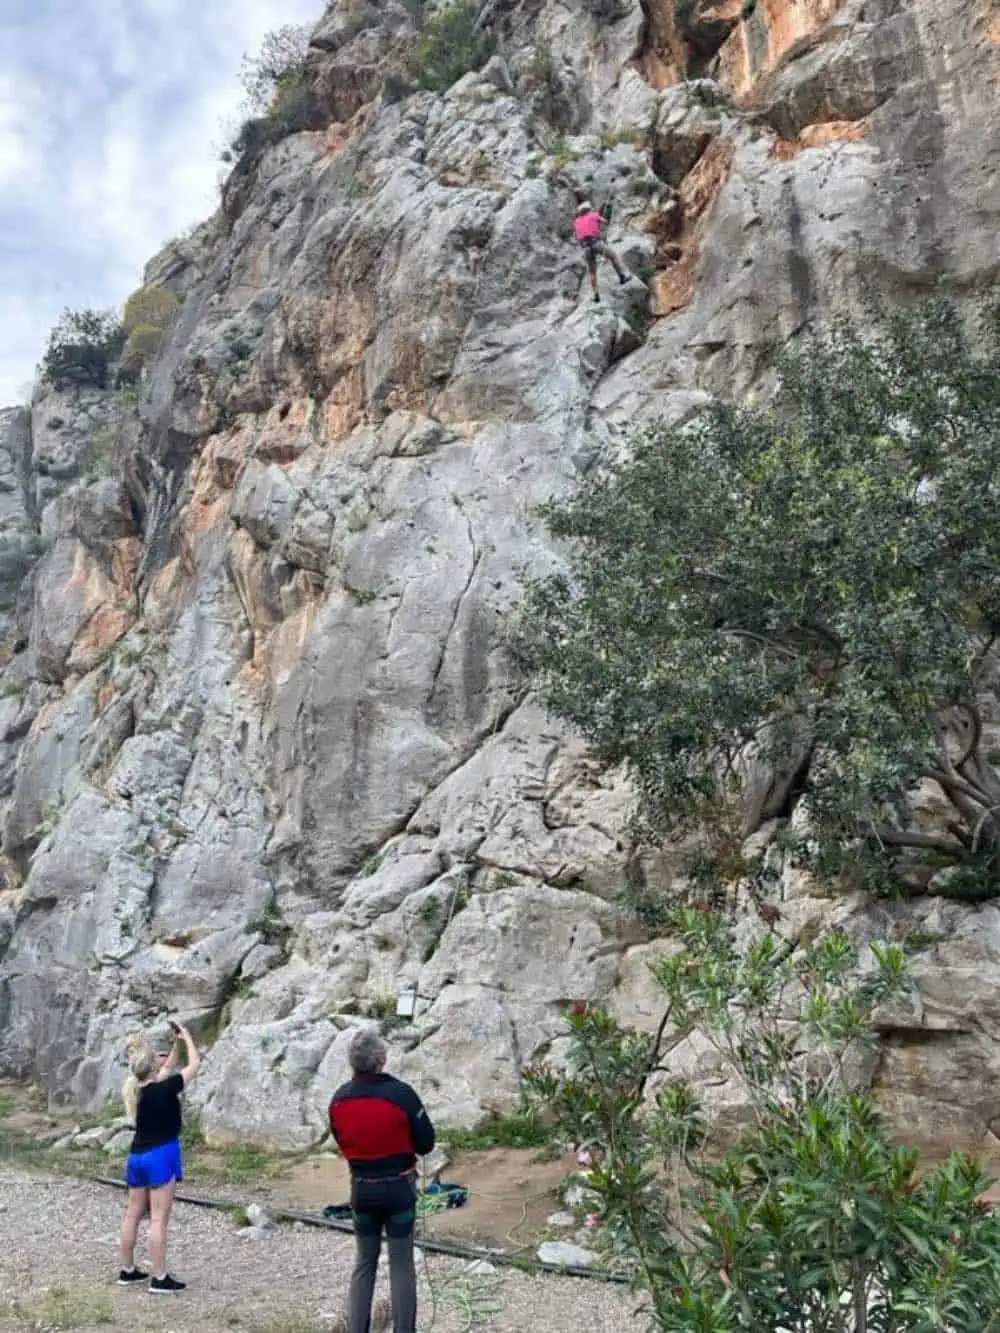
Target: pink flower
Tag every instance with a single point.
(592, 1220)
(584, 1158)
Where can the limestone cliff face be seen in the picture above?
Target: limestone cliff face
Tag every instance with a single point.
(263, 757)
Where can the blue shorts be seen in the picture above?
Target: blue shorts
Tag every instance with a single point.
(159, 1166)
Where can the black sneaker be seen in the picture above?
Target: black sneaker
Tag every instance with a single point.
(167, 1283)
(624, 279)
(597, 296)
(129, 1275)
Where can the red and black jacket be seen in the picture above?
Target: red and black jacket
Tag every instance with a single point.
(380, 1126)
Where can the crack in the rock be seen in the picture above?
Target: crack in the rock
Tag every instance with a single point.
(477, 556)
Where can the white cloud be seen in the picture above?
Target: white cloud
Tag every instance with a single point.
(109, 134)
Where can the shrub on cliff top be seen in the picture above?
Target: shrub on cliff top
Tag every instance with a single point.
(82, 348)
(277, 64)
(812, 1220)
(279, 99)
(799, 610)
(448, 48)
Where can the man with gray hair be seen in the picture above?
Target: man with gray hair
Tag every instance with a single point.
(381, 1127)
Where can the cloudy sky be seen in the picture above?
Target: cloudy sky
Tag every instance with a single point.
(110, 127)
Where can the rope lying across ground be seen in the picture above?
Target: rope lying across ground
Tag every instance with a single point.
(444, 1247)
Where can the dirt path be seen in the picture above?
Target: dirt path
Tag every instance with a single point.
(511, 1193)
(58, 1258)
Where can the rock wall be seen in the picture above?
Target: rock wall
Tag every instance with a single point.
(263, 756)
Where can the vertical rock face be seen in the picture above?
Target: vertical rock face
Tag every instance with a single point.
(263, 756)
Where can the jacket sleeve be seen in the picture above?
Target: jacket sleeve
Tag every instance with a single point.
(331, 1113)
(421, 1128)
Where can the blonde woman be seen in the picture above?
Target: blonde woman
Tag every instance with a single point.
(152, 1095)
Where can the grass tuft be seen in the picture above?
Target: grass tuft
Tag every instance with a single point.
(63, 1307)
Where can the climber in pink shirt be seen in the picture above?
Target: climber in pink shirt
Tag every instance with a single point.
(589, 227)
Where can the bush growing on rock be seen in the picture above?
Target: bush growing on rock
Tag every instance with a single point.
(293, 110)
(279, 96)
(812, 1219)
(82, 349)
(150, 306)
(796, 612)
(149, 313)
(449, 47)
(18, 554)
(278, 63)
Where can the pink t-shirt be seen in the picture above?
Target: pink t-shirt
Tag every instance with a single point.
(588, 226)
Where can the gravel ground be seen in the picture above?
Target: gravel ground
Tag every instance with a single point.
(58, 1259)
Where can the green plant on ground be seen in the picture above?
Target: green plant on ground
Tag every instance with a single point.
(523, 1128)
(282, 1323)
(811, 1219)
(243, 1163)
(78, 1306)
(82, 348)
(809, 594)
(241, 1218)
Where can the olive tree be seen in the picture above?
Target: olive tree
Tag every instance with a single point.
(810, 591)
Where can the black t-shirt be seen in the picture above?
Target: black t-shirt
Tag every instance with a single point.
(158, 1120)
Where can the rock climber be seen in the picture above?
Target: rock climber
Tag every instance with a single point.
(152, 1095)
(381, 1127)
(589, 227)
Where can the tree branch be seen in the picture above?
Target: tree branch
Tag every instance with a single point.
(762, 640)
(952, 782)
(927, 841)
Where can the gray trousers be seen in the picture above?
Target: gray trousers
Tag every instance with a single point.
(388, 1206)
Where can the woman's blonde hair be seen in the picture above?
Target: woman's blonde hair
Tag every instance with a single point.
(141, 1058)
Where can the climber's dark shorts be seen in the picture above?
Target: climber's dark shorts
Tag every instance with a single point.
(591, 249)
